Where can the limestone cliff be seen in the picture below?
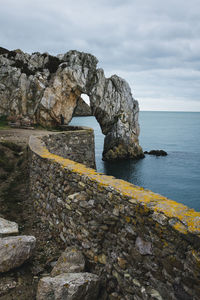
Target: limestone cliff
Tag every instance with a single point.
(46, 88)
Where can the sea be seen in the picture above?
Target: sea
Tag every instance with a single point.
(177, 175)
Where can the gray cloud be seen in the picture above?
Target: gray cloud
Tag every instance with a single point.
(154, 45)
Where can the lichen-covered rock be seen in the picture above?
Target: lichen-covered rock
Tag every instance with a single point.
(7, 227)
(15, 250)
(69, 286)
(70, 261)
(46, 89)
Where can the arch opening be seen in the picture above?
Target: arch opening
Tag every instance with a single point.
(83, 106)
(86, 98)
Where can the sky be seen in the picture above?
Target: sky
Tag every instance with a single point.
(154, 45)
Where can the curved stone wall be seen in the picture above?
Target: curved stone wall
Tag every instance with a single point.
(75, 143)
(142, 244)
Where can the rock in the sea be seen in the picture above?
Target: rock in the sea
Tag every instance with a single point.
(46, 89)
(7, 228)
(117, 113)
(15, 250)
(70, 261)
(156, 152)
(69, 286)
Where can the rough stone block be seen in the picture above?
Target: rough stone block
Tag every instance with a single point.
(69, 286)
(7, 227)
(14, 251)
(70, 261)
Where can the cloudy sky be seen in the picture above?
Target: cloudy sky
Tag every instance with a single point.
(153, 44)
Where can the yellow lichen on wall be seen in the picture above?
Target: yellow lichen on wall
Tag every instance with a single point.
(188, 219)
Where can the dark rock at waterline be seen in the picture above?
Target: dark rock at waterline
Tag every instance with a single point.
(156, 152)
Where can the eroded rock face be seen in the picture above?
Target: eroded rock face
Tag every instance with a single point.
(46, 89)
(117, 113)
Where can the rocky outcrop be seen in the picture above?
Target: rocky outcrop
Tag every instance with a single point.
(15, 250)
(82, 109)
(46, 89)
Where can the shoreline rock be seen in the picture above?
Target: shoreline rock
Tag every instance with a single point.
(156, 152)
(70, 261)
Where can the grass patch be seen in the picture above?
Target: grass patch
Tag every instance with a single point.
(2, 152)
(6, 164)
(12, 146)
(3, 176)
(12, 194)
(3, 123)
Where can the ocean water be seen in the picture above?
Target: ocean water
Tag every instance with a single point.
(176, 176)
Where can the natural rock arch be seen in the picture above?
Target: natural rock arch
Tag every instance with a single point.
(44, 87)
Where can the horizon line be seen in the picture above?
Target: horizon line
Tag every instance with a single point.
(189, 111)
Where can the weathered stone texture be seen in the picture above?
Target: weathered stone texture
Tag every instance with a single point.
(143, 245)
(70, 261)
(77, 144)
(7, 228)
(15, 250)
(71, 286)
(46, 89)
(117, 113)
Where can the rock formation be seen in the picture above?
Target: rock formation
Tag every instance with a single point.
(46, 89)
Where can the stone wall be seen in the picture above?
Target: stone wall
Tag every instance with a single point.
(143, 245)
(75, 143)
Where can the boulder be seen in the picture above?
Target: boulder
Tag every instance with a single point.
(70, 261)
(7, 228)
(15, 250)
(69, 286)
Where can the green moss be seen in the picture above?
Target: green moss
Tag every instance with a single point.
(11, 193)
(6, 164)
(3, 122)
